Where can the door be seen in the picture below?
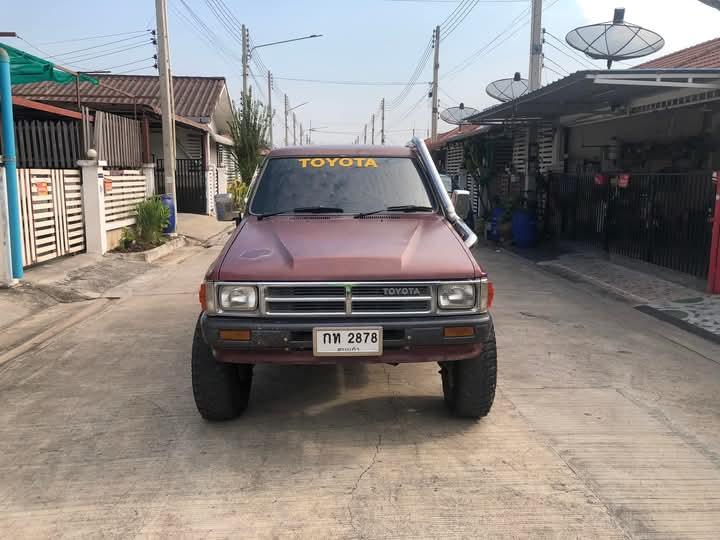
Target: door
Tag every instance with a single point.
(53, 223)
(190, 186)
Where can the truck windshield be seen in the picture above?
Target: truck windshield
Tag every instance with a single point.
(353, 184)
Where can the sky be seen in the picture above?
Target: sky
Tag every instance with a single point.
(368, 41)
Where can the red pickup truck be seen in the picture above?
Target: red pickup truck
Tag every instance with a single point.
(346, 254)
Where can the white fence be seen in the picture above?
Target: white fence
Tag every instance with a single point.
(51, 208)
(123, 190)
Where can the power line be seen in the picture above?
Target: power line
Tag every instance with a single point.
(487, 48)
(452, 99)
(100, 46)
(555, 72)
(455, 26)
(85, 58)
(415, 106)
(88, 38)
(136, 69)
(351, 83)
(556, 64)
(154, 57)
(570, 53)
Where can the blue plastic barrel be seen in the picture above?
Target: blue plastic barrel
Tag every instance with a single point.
(497, 215)
(524, 228)
(168, 202)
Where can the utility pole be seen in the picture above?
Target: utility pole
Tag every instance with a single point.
(309, 132)
(365, 134)
(287, 141)
(167, 103)
(244, 60)
(535, 81)
(301, 134)
(536, 47)
(382, 121)
(270, 110)
(294, 131)
(436, 70)
(372, 131)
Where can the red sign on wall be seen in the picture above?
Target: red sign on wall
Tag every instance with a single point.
(623, 181)
(42, 188)
(600, 179)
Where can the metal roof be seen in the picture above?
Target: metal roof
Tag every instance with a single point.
(195, 97)
(702, 55)
(458, 134)
(343, 150)
(596, 91)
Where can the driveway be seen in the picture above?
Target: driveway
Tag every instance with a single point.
(606, 424)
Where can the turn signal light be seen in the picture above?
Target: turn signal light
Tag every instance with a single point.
(202, 297)
(459, 331)
(235, 335)
(491, 294)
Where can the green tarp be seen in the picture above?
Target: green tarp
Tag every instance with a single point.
(26, 68)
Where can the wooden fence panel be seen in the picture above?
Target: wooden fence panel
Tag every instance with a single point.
(118, 140)
(40, 144)
(128, 189)
(51, 213)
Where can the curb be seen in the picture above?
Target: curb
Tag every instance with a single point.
(684, 325)
(95, 306)
(574, 275)
(154, 254)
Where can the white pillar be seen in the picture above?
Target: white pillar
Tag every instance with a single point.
(94, 204)
(222, 179)
(6, 278)
(148, 170)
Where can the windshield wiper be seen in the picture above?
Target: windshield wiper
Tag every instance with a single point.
(304, 210)
(401, 208)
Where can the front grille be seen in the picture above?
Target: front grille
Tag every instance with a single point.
(312, 291)
(392, 291)
(394, 306)
(340, 299)
(312, 307)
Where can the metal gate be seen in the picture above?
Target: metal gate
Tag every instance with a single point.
(663, 219)
(191, 192)
(53, 223)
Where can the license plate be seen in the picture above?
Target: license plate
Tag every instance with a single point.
(360, 341)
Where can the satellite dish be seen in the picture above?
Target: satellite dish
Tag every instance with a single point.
(615, 40)
(458, 115)
(508, 89)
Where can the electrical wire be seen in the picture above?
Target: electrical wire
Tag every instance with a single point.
(556, 64)
(452, 99)
(458, 22)
(136, 69)
(569, 52)
(350, 83)
(555, 72)
(414, 106)
(154, 57)
(74, 53)
(491, 46)
(112, 52)
(88, 38)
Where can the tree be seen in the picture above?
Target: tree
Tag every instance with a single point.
(248, 128)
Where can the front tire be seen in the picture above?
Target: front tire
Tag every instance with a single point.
(469, 385)
(221, 390)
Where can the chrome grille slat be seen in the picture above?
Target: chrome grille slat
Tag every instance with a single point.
(346, 299)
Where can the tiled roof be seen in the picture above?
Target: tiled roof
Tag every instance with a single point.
(195, 97)
(459, 133)
(702, 55)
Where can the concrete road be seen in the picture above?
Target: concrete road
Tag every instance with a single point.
(606, 424)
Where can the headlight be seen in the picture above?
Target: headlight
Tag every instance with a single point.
(237, 297)
(456, 296)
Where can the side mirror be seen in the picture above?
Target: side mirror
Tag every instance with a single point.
(461, 201)
(225, 207)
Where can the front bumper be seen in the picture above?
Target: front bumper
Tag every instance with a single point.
(289, 341)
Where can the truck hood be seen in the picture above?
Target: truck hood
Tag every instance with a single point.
(329, 248)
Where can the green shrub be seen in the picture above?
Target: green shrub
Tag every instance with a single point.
(128, 238)
(238, 190)
(151, 217)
